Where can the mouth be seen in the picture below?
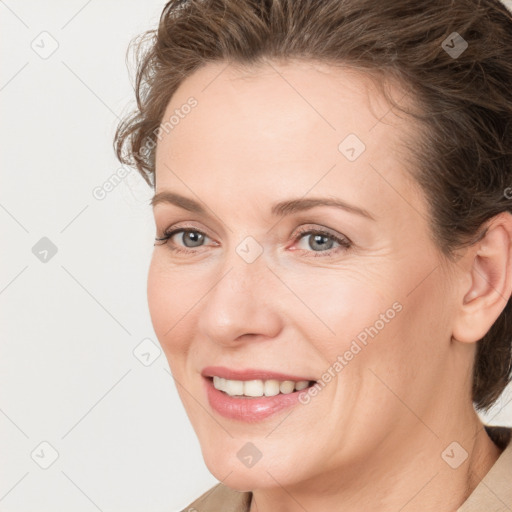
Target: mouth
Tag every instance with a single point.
(252, 395)
(258, 388)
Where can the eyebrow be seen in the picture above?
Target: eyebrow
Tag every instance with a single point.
(282, 208)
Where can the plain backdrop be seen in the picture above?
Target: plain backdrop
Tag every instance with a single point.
(89, 415)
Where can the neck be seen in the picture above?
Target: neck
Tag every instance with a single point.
(409, 475)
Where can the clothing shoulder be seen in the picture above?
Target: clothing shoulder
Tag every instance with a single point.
(494, 492)
(220, 499)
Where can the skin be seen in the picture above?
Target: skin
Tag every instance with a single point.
(372, 439)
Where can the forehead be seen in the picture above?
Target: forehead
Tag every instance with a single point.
(277, 128)
(275, 103)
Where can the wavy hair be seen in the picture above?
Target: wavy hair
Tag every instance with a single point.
(462, 97)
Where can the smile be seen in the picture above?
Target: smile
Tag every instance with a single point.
(252, 395)
(258, 388)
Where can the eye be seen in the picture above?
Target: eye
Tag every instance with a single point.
(318, 241)
(322, 241)
(191, 238)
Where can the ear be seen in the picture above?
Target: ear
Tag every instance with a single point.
(487, 266)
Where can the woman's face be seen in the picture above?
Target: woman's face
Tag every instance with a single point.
(364, 309)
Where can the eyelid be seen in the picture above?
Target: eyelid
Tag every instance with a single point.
(170, 232)
(321, 229)
(344, 243)
(186, 227)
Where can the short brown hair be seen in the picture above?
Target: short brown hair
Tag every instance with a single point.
(463, 95)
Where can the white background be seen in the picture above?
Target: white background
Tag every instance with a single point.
(68, 375)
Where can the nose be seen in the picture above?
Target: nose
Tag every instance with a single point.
(243, 303)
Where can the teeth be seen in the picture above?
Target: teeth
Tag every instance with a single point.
(253, 387)
(271, 387)
(233, 387)
(288, 386)
(302, 384)
(256, 388)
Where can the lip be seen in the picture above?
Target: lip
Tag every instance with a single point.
(250, 374)
(248, 409)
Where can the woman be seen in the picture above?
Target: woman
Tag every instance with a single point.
(333, 261)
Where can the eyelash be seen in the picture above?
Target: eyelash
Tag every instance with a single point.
(344, 243)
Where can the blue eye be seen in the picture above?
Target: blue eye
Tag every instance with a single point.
(197, 237)
(320, 239)
(324, 241)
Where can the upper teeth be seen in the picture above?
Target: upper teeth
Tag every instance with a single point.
(258, 387)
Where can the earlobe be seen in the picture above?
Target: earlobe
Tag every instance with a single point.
(489, 268)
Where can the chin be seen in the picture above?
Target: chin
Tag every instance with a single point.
(243, 479)
(225, 466)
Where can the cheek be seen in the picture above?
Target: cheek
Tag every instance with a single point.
(408, 354)
(338, 307)
(158, 299)
(360, 321)
(171, 297)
